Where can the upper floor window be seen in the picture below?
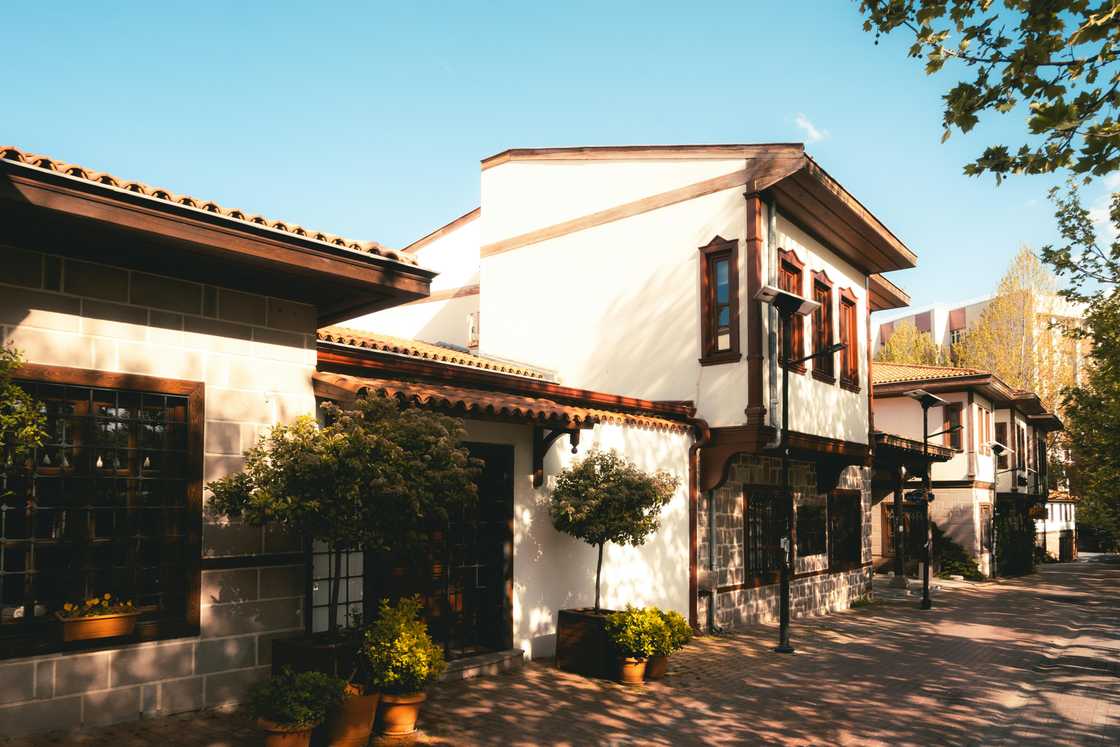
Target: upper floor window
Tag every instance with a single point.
(719, 302)
(824, 366)
(791, 274)
(952, 420)
(1002, 460)
(849, 337)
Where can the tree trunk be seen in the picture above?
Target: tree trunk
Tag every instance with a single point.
(336, 584)
(598, 576)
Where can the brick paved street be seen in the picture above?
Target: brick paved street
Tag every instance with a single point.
(1026, 661)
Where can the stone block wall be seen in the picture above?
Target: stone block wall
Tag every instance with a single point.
(256, 356)
(814, 592)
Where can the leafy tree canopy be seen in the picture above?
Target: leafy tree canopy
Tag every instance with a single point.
(22, 420)
(1058, 59)
(907, 345)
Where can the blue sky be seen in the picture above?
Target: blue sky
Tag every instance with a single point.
(369, 120)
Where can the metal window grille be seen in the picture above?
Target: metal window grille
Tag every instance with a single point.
(350, 592)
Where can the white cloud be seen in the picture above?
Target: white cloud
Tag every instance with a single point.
(1112, 181)
(813, 133)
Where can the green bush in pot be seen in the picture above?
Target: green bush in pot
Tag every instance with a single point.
(290, 703)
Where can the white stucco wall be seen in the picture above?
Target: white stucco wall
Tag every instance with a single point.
(552, 571)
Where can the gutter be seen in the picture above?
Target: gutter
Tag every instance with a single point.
(771, 325)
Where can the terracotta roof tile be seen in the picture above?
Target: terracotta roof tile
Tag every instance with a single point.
(891, 373)
(11, 153)
(427, 351)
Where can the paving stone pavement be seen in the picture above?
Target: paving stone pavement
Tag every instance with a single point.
(1034, 660)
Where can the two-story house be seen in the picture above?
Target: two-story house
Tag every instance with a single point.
(633, 273)
(998, 440)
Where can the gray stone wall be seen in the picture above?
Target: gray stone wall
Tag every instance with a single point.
(810, 594)
(256, 355)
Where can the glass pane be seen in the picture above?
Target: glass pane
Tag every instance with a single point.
(722, 282)
(724, 317)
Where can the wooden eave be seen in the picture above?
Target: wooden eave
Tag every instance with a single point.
(894, 449)
(987, 384)
(885, 294)
(443, 230)
(65, 215)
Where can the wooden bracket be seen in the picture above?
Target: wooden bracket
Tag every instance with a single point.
(542, 442)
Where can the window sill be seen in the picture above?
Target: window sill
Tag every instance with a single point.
(716, 359)
(851, 386)
(798, 368)
(827, 378)
(44, 638)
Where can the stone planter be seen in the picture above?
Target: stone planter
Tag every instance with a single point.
(398, 713)
(99, 626)
(582, 645)
(282, 735)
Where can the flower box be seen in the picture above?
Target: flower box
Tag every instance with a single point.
(582, 645)
(92, 627)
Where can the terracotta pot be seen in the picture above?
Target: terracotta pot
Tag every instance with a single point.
(350, 724)
(631, 671)
(282, 735)
(100, 626)
(657, 667)
(398, 713)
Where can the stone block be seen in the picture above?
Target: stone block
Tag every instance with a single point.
(52, 272)
(149, 700)
(217, 466)
(22, 267)
(225, 653)
(44, 680)
(166, 293)
(81, 673)
(58, 714)
(33, 308)
(238, 585)
(198, 325)
(111, 706)
(17, 682)
(282, 581)
(157, 360)
(245, 308)
(220, 540)
(232, 687)
(278, 338)
(275, 377)
(179, 696)
(269, 351)
(291, 406)
(209, 301)
(292, 316)
(223, 437)
(106, 319)
(264, 644)
(95, 280)
(165, 328)
(105, 353)
(140, 664)
(280, 539)
(251, 617)
(231, 404)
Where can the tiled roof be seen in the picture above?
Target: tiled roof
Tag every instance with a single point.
(427, 351)
(891, 373)
(478, 403)
(11, 153)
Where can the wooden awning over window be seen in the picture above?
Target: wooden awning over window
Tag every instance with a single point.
(481, 404)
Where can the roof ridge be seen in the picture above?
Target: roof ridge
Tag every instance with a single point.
(47, 163)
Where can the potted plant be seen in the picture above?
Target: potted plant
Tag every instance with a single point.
(97, 617)
(403, 660)
(676, 632)
(373, 477)
(634, 634)
(350, 722)
(603, 498)
(287, 706)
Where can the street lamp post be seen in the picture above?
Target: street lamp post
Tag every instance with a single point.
(788, 305)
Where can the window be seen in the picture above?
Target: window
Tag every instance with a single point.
(811, 529)
(719, 302)
(350, 590)
(763, 532)
(955, 336)
(472, 329)
(1020, 447)
(849, 337)
(790, 278)
(111, 503)
(912, 534)
(1002, 461)
(845, 529)
(952, 420)
(985, 527)
(823, 367)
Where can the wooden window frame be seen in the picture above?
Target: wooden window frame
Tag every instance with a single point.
(823, 319)
(947, 422)
(45, 640)
(718, 248)
(788, 262)
(849, 356)
(1003, 461)
(845, 564)
(754, 576)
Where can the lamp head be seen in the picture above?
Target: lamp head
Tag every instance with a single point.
(924, 398)
(999, 449)
(785, 302)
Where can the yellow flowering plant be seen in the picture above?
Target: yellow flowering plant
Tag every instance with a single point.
(96, 607)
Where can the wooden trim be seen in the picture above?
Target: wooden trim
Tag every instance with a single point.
(448, 293)
(851, 386)
(884, 294)
(756, 409)
(797, 323)
(714, 250)
(823, 377)
(825, 315)
(849, 356)
(442, 231)
(947, 438)
(980, 484)
(626, 210)
(646, 152)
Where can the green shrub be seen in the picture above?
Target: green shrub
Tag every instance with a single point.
(291, 699)
(402, 656)
(638, 633)
(954, 559)
(677, 632)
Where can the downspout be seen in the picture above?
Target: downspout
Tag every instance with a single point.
(703, 437)
(772, 324)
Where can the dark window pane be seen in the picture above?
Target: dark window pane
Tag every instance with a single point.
(722, 281)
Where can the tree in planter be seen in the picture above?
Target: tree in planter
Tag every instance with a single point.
(370, 479)
(22, 419)
(604, 498)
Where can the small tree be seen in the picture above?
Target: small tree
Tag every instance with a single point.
(22, 419)
(605, 498)
(907, 345)
(370, 479)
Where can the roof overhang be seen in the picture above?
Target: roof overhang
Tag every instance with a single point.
(986, 384)
(69, 216)
(1048, 422)
(885, 294)
(891, 449)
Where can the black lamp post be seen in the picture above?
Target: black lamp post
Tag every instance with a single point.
(927, 400)
(788, 305)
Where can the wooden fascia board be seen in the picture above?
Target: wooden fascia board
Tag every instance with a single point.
(886, 295)
(374, 363)
(462, 220)
(209, 232)
(645, 152)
